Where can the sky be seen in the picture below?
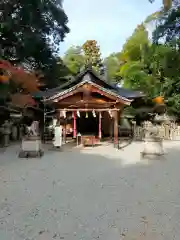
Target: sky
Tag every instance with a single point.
(110, 23)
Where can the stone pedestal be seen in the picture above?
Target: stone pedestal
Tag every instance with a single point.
(153, 143)
(153, 147)
(31, 147)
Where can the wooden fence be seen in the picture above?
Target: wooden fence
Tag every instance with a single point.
(166, 132)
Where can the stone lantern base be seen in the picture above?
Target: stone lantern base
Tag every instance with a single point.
(153, 147)
(153, 143)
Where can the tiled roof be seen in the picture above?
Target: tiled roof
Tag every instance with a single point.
(62, 92)
(130, 94)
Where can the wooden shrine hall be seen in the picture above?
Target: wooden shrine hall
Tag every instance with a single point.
(94, 104)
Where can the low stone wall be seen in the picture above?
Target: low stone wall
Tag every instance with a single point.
(166, 132)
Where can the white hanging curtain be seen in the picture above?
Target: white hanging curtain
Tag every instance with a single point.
(64, 113)
(94, 113)
(54, 122)
(110, 113)
(78, 113)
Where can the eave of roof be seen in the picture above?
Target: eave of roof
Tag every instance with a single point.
(130, 94)
(123, 92)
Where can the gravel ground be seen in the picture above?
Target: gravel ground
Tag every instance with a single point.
(98, 193)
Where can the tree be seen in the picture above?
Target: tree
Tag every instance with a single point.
(168, 31)
(92, 54)
(149, 73)
(19, 84)
(74, 59)
(17, 80)
(30, 33)
(134, 76)
(130, 54)
(143, 65)
(152, 67)
(113, 63)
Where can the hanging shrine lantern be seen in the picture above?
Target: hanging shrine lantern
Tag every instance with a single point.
(86, 114)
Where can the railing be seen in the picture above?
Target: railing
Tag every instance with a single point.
(166, 132)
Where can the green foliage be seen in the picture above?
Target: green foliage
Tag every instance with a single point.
(134, 76)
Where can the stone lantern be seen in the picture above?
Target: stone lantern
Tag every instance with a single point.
(153, 141)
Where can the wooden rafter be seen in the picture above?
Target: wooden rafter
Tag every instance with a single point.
(85, 102)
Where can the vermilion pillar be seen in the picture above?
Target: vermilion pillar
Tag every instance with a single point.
(74, 125)
(116, 128)
(100, 126)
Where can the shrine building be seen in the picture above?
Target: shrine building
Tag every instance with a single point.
(94, 104)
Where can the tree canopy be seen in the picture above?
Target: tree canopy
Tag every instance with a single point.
(31, 32)
(74, 59)
(167, 31)
(77, 57)
(151, 66)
